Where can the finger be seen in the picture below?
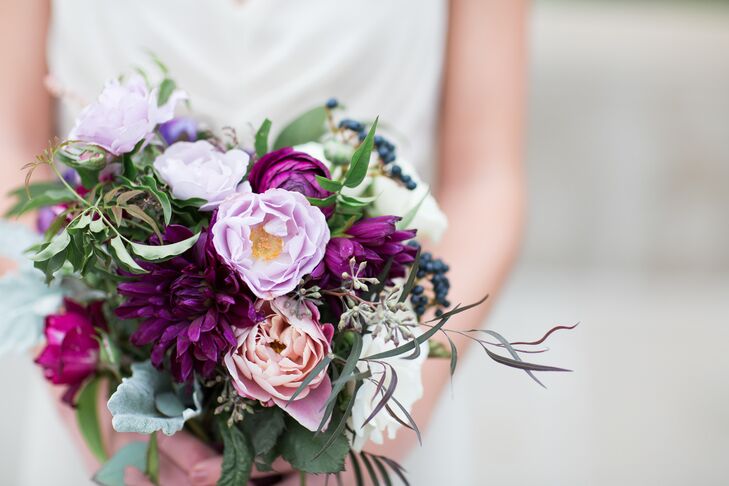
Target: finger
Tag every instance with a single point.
(135, 477)
(184, 449)
(170, 474)
(207, 472)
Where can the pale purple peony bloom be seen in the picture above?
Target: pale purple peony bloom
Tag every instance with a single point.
(72, 351)
(273, 358)
(272, 239)
(291, 170)
(201, 170)
(123, 115)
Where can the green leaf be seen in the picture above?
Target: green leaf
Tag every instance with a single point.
(328, 184)
(88, 419)
(262, 138)
(264, 428)
(322, 203)
(308, 127)
(128, 168)
(121, 253)
(49, 197)
(111, 473)
(322, 365)
(162, 197)
(361, 159)
(161, 252)
(57, 244)
(165, 91)
(237, 456)
(152, 469)
(299, 445)
(194, 202)
(410, 283)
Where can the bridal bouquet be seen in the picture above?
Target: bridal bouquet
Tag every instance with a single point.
(270, 298)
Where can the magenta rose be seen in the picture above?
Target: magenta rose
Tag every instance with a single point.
(275, 356)
(272, 240)
(72, 351)
(291, 170)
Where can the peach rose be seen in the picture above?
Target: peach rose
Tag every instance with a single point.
(274, 356)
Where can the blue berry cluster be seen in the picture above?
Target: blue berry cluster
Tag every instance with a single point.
(435, 270)
(331, 103)
(385, 149)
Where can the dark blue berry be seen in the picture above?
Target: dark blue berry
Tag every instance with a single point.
(446, 268)
(445, 303)
(405, 178)
(389, 157)
(362, 135)
(417, 290)
(438, 312)
(428, 266)
(332, 103)
(426, 256)
(350, 124)
(395, 170)
(411, 185)
(421, 274)
(378, 139)
(419, 309)
(414, 244)
(389, 146)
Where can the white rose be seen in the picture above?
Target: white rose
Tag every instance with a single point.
(409, 390)
(395, 199)
(200, 170)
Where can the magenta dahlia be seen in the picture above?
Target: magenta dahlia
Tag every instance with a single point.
(188, 305)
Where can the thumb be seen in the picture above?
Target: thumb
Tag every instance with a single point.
(206, 472)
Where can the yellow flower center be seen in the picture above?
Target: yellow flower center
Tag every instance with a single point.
(265, 246)
(277, 346)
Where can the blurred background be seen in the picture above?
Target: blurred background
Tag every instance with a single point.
(628, 234)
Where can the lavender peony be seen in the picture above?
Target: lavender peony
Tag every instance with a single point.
(123, 115)
(271, 239)
(200, 170)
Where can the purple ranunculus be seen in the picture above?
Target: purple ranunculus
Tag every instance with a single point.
(180, 129)
(291, 170)
(189, 306)
(201, 170)
(123, 115)
(371, 240)
(72, 351)
(272, 239)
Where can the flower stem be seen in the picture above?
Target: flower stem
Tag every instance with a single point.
(302, 478)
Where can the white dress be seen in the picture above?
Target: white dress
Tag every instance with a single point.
(240, 61)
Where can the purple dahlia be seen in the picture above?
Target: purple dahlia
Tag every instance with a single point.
(374, 240)
(188, 304)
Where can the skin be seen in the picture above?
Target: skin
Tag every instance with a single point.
(480, 183)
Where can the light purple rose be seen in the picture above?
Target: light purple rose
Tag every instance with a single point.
(201, 170)
(123, 115)
(272, 239)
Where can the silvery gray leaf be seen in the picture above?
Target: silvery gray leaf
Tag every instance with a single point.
(25, 299)
(143, 402)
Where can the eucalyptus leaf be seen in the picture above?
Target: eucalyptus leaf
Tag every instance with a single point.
(308, 127)
(134, 404)
(162, 197)
(111, 473)
(161, 252)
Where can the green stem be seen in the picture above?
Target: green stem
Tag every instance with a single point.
(302, 478)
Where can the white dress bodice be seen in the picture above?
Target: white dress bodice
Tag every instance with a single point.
(244, 60)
